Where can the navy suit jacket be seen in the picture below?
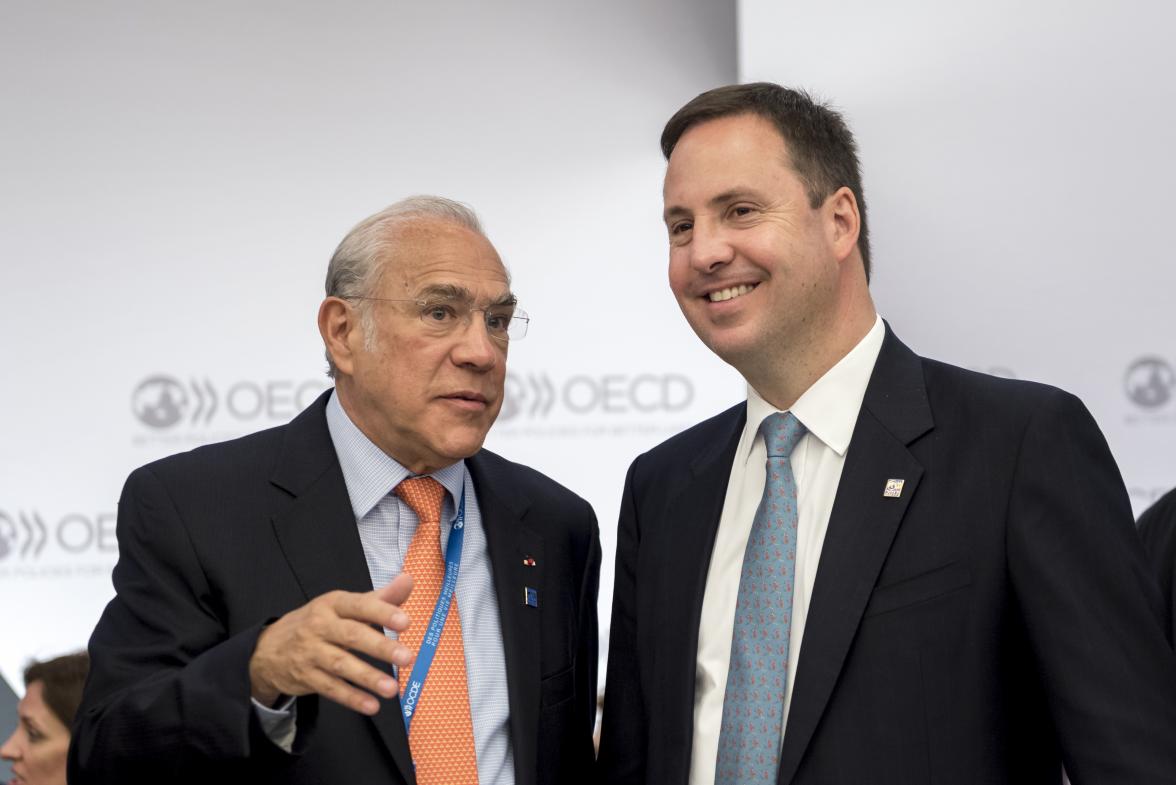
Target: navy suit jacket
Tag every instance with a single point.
(994, 621)
(215, 542)
(1157, 529)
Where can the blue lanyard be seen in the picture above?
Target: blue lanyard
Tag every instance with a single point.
(420, 670)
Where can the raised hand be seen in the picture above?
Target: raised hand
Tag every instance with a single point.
(310, 650)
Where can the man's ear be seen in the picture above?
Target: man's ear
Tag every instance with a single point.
(844, 222)
(338, 323)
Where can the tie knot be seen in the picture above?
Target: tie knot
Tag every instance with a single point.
(424, 495)
(781, 433)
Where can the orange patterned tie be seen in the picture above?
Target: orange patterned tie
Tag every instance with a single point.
(442, 735)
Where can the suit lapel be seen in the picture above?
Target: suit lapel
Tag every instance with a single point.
(509, 542)
(319, 537)
(693, 513)
(861, 528)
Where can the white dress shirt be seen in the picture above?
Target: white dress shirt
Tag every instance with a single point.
(828, 410)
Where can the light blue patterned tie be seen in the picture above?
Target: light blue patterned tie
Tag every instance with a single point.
(753, 707)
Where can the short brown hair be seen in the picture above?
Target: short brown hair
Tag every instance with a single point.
(820, 145)
(63, 678)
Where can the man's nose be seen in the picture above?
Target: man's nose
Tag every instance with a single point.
(710, 247)
(475, 347)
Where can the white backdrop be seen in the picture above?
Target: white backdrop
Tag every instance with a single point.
(174, 177)
(1018, 169)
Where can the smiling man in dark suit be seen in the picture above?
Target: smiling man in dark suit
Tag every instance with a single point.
(254, 576)
(879, 568)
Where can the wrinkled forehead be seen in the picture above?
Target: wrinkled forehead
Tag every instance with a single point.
(439, 256)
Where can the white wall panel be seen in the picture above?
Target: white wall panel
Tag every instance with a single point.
(1018, 170)
(174, 177)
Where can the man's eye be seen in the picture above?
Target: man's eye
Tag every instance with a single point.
(681, 227)
(437, 313)
(498, 322)
(742, 210)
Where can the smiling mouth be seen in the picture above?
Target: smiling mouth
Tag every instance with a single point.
(730, 293)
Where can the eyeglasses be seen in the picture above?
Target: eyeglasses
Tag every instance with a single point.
(504, 322)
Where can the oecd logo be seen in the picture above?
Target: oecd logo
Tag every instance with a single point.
(536, 395)
(1149, 382)
(161, 402)
(531, 394)
(24, 532)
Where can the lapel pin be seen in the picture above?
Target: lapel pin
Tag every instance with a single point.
(531, 596)
(529, 561)
(893, 489)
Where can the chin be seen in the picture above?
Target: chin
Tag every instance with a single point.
(464, 447)
(732, 348)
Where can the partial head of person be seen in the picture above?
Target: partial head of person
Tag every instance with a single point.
(769, 256)
(417, 321)
(37, 748)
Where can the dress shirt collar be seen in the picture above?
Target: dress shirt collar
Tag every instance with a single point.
(369, 473)
(829, 408)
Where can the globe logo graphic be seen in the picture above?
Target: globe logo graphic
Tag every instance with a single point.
(1149, 382)
(159, 402)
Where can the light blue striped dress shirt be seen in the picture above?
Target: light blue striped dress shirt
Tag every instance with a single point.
(386, 527)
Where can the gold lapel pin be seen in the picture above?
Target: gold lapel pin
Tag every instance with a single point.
(893, 489)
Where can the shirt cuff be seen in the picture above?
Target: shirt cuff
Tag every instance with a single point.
(278, 723)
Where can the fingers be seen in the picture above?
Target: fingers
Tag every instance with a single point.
(376, 607)
(313, 648)
(351, 682)
(298, 662)
(396, 591)
(356, 636)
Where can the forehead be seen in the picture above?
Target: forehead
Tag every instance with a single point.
(738, 152)
(33, 702)
(33, 706)
(433, 253)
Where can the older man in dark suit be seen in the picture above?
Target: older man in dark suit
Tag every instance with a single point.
(879, 568)
(266, 586)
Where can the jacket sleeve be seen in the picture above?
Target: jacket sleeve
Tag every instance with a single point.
(623, 728)
(1090, 604)
(588, 651)
(168, 693)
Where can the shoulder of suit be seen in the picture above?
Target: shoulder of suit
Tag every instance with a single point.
(685, 445)
(1157, 524)
(958, 385)
(536, 485)
(250, 455)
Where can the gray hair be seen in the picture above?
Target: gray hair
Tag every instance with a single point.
(358, 261)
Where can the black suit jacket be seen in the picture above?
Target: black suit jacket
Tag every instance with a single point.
(1157, 529)
(995, 620)
(215, 542)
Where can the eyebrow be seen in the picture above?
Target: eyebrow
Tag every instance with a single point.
(445, 291)
(449, 291)
(725, 198)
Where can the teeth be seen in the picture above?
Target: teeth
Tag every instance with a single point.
(727, 294)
